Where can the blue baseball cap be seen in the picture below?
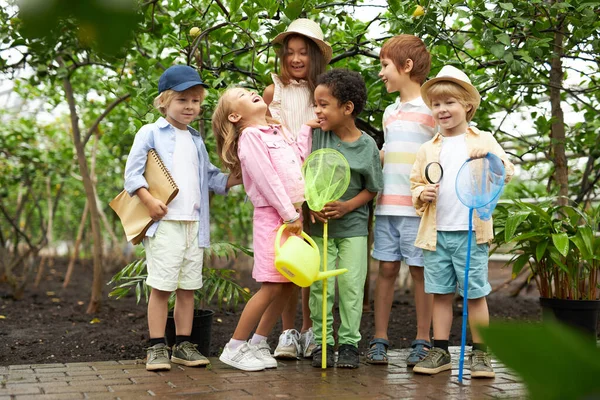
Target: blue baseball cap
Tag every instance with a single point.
(179, 78)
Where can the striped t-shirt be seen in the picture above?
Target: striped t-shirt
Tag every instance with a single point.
(406, 127)
(292, 104)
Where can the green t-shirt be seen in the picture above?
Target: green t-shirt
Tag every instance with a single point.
(365, 173)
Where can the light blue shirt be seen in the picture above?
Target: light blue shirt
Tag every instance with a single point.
(161, 136)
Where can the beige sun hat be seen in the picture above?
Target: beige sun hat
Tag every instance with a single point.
(452, 74)
(310, 29)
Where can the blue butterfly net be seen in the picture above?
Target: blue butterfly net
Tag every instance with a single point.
(479, 184)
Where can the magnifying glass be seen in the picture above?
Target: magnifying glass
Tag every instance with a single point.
(434, 172)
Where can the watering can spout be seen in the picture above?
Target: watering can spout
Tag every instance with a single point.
(329, 274)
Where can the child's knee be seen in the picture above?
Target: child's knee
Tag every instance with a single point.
(389, 270)
(417, 274)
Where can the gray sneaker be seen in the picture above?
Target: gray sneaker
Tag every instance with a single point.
(437, 360)
(481, 365)
(157, 358)
(187, 354)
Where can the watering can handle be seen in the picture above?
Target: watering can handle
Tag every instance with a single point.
(280, 232)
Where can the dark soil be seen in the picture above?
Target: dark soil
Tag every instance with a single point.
(49, 324)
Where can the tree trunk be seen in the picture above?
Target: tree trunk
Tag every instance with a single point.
(557, 135)
(97, 284)
(76, 246)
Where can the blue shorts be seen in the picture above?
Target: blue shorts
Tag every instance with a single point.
(445, 267)
(395, 240)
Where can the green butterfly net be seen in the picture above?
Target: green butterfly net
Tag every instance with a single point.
(326, 175)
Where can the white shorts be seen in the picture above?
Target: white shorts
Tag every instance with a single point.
(173, 257)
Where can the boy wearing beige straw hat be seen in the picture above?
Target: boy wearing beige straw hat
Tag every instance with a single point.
(303, 55)
(443, 232)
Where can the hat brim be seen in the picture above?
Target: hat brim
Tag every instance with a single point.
(474, 95)
(324, 47)
(186, 85)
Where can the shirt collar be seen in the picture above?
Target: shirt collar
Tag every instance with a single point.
(470, 130)
(269, 128)
(162, 123)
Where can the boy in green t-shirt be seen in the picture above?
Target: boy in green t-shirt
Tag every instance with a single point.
(339, 97)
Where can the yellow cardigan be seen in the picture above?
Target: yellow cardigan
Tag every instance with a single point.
(429, 152)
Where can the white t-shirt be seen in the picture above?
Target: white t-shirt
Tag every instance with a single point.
(451, 215)
(186, 205)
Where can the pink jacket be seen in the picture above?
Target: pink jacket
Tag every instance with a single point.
(271, 167)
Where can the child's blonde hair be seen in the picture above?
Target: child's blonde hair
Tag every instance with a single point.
(404, 47)
(444, 89)
(162, 101)
(227, 133)
(316, 64)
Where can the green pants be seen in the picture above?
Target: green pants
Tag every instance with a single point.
(350, 253)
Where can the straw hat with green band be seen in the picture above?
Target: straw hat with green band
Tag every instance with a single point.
(309, 29)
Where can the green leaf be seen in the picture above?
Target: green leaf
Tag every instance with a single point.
(561, 242)
(507, 6)
(538, 353)
(503, 38)
(293, 9)
(540, 249)
(513, 222)
(497, 50)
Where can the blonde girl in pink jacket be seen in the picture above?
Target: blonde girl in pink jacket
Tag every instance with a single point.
(261, 151)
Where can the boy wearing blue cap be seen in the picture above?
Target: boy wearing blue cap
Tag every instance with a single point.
(175, 242)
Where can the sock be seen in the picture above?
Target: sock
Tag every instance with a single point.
(155, 341)
(181, 339)
(441, 344)
(256, 339)
(234, 343)
(480, 346)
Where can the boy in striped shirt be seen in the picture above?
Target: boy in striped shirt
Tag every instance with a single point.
(407, 123)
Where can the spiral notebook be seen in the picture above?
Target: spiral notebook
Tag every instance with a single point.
(134, 215)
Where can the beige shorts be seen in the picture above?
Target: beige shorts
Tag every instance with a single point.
(173, 257)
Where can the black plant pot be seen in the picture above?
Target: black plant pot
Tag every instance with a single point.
(580, 314)
(201, 330)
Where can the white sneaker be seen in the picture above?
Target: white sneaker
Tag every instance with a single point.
(288, 346)
(307, 343)
(262, 351)
(242, 358)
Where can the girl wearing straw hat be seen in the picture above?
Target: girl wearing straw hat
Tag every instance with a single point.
(303, 56)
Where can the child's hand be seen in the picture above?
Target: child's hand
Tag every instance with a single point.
(429, 193)
(478, 152)
(157, 209)
(317, 216)
(295, 227)
(313, 123)
(335, 209)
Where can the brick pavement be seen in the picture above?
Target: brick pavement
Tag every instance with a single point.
(129, 380)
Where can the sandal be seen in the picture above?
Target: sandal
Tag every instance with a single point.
(377, 353)
(418, 352)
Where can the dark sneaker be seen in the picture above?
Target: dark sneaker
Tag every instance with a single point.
(186, 353)
(157, 358)
(317, 354)
(418, 352)
(347, 356)
(437, 360)
(481, 365)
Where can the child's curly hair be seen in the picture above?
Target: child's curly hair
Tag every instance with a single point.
(345, 86)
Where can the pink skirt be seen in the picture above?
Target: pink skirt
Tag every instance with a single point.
(266, 222)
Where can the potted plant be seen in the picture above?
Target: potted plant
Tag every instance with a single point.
(217, 282)
(561, 247)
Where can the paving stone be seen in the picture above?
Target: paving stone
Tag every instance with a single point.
(129, 380)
